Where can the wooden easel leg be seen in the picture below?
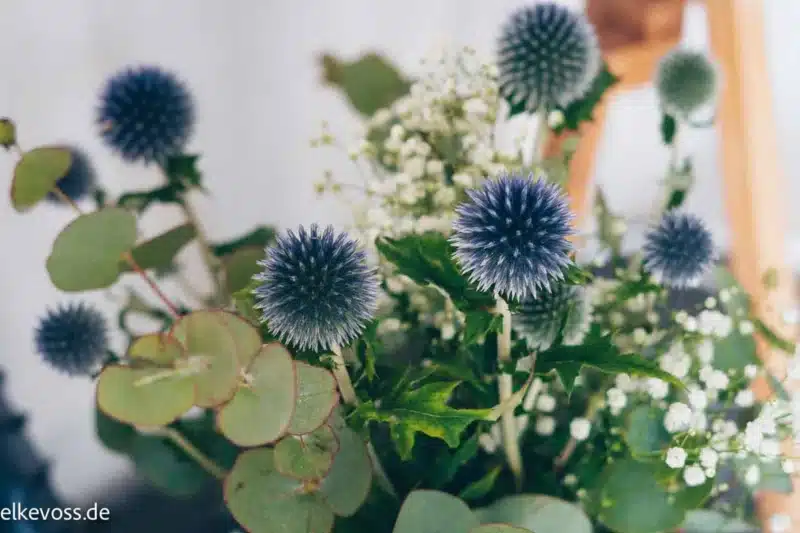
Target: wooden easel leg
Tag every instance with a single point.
(755, 190)
(581, 168)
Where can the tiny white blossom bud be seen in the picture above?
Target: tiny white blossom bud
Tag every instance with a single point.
(448, 331)
(434, 166)
(676, 457)
(389, 325)
(694, 476)
(690, 324)
(711, 302)
(746, 327)
(744, 398)
(545, 425)
(639, 336)
(464, 180)
(555, 118)
(657, 389)
(752, 475)
(788, 466)
(580, 428)
(705, 351)
(750, 371)
(545, 403)
(709, 458)
(678, 417)
(570, 480)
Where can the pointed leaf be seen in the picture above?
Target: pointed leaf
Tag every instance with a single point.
(260, 237)
(423, 410)
(483, 486)
(538, 513)
(369, 83)
(478, 323)
(307, 457)
(241, 266)
(160, 251)
(316, 398)
(87, 253)
(37, 173)
(261, 409)
(264, 501)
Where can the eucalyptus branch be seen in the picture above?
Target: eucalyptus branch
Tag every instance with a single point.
(505, 384)
(177, 438)
(541, 134)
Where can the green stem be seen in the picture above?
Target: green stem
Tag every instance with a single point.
(539, 142)
(191, 450)
(505, 385)
(211, 261)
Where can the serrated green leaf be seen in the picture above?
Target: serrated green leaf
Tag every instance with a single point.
(37, 173)
(259, 237)
(538, 513)
(86, 254)
(159, 252)
(603, 355)
(182, 169)
(428, 259)
(478, 323)
(582, 110)
(481, 487)
(645, 433)
(268, 396)
(669, 127)
(628, 499)
(429, 511)
(423, 410)
(369, 83)
(349, 480)
(264, 501)
(575, 275)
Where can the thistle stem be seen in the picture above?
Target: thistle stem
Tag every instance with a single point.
(191, 450)
(505, 384)
(211, 261)
(542, 130)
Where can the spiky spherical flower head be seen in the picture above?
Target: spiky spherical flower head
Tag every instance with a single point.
(79, 179)
(511, 236)
(316, 290)
(146, 114)
(539, 319)
(686, 82)
(72, 338)
(679, 250)
(548, 57)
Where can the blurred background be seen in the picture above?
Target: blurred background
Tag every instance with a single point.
(253, 67)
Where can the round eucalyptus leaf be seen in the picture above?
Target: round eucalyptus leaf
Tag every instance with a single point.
(316, 398)
(536, 512)
(630, 500)
(37, 173)
(264, 501)
(246, 336)
(86, 254)
(144, 397)
(166, 467)
(430, 511)
(115, 435)
(645, 432)
(211, 349)
(307, 457)
(157, 348)
(708, 521)
(262, 408)
(500, 528)
(348, 482)
(241, 266)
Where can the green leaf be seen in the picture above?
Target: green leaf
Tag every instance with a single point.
(708, 521)
(369, 83)
(669, 127)
(160, 251)
(115, 435)
(260, 237)
(349, 480)
(645, 432)
(605, 224)
(603, 355)
(423, 410)
(774, 340)
(480, 488)
(449, 464)
(478, 324)
(8, 133)
(575, 275)
(735, 352)
(264, 501)
(369, 347)
(261, 410)
(208, 339)
(139, 201)
(429, 511)
(568, 374)
(582, 110)
(772, 477)
(87, 253)
(182, 169)
(150, 392)
(538, 513)
(240, 267)
(778, 389)
(499, 528)
(37, 173)
(691, 498)
(307, 457)
(167, 467)
(316, 398)
(628, 499)
(738, 304)
(428, 258)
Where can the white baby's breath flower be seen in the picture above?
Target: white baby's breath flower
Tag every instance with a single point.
(676, 457)
(744, 398)
(709, 458)
(434, 167)
(678, 417)
(746, 327)
(750, 371)
(580, 428)
(617, 400)
(770, 449)
(697, 398)
(788, 466)
(389, 325)
(464, 180)
(414, 167)
(445, 196)
(694, 476)
(657, 388)
(545, 403)
(752, 475)
(545, 425)
(705, 351)
(448, 331)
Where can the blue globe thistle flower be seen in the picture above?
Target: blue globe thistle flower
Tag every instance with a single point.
(316, 289)
(686, 81)
(512, 236)
(73, 339)
(145, 114)
(79, 180)
(539, 319)
(548, 57)
(679, 251)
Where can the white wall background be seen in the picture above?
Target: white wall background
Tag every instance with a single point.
(251, 65)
